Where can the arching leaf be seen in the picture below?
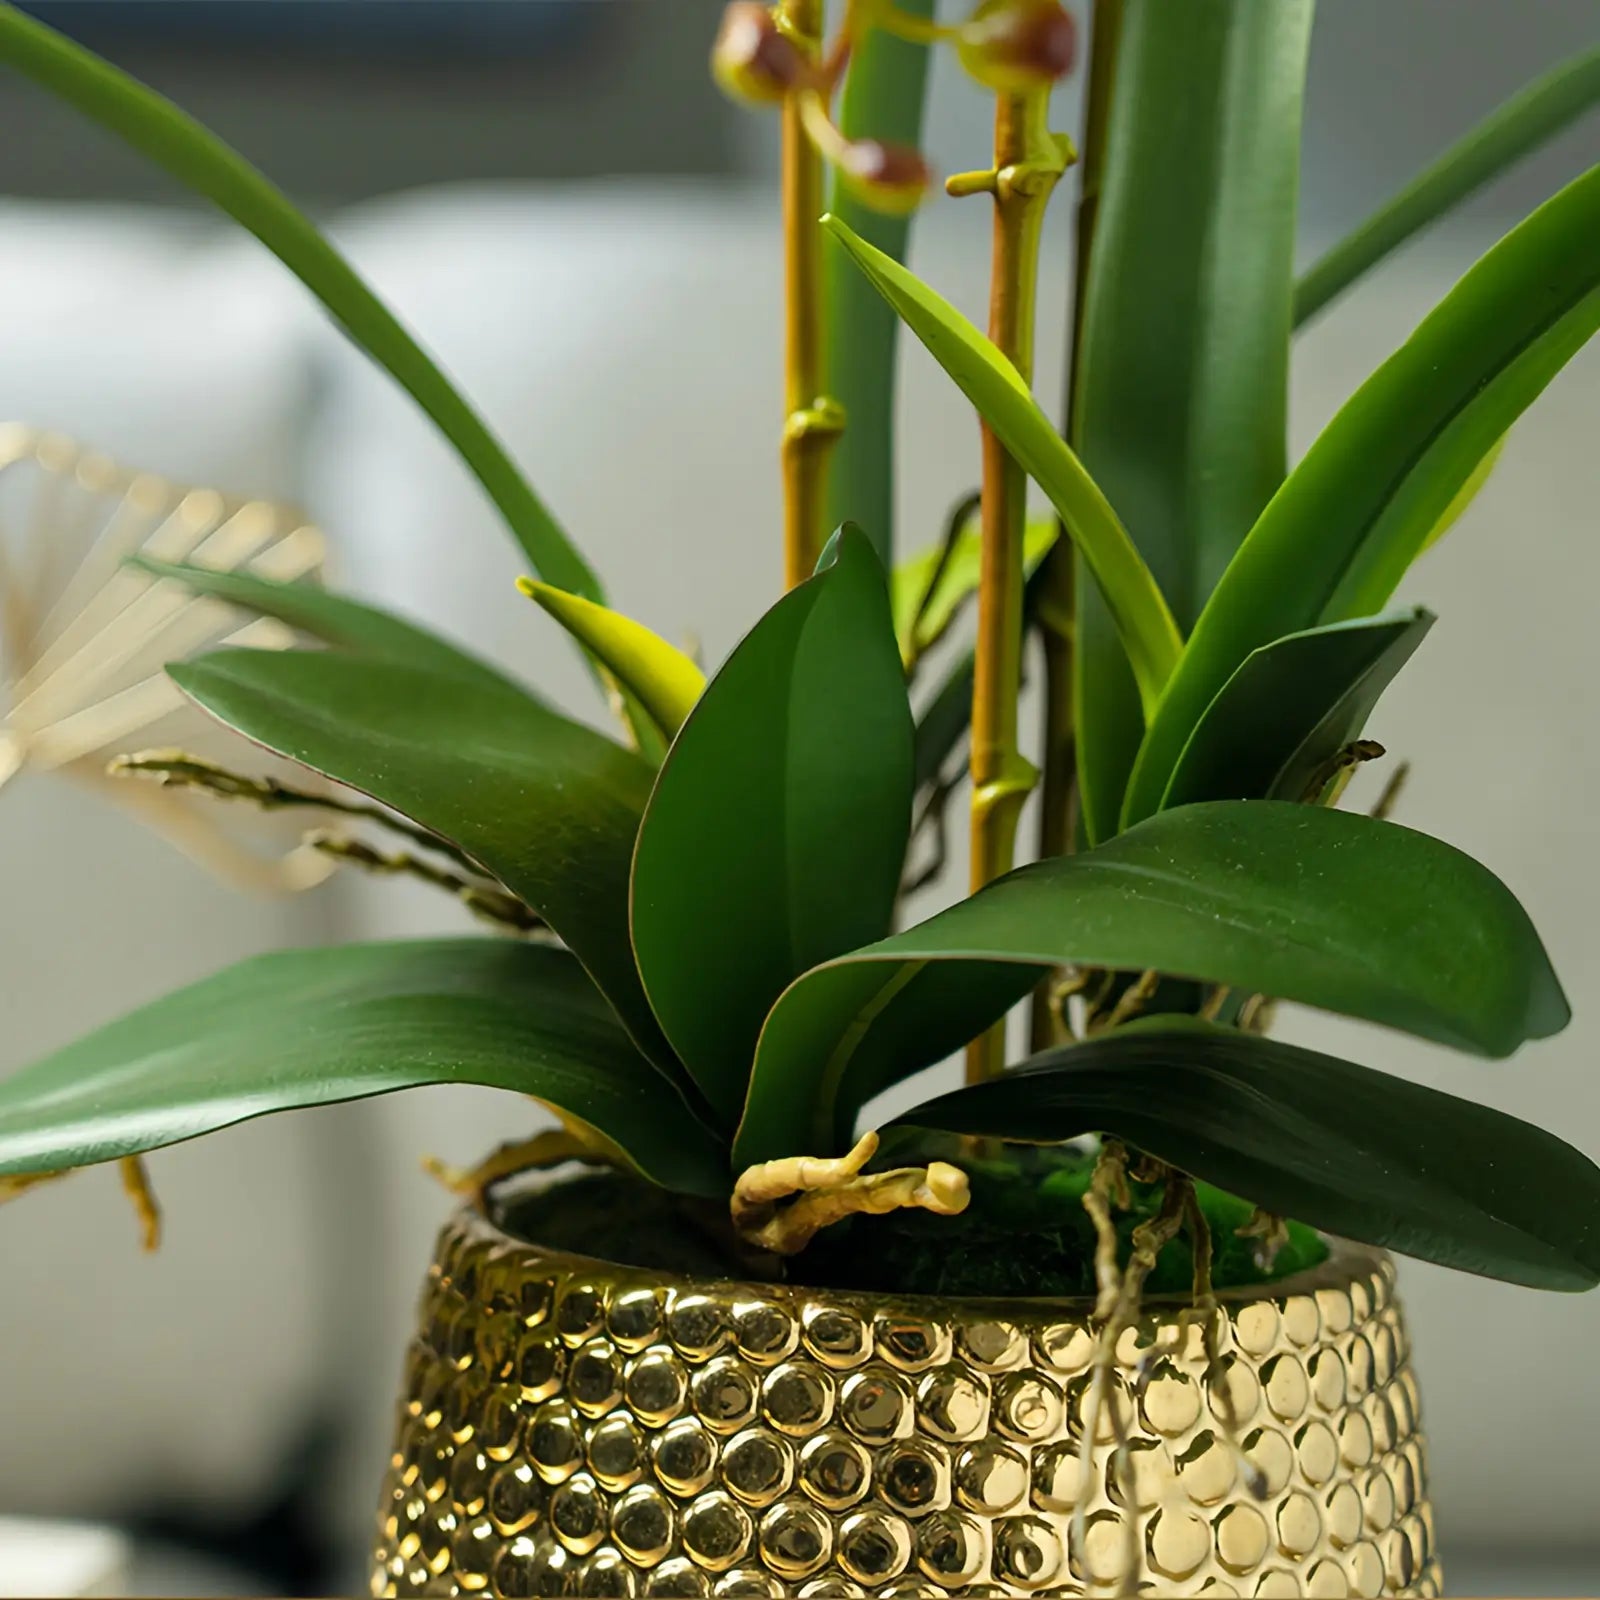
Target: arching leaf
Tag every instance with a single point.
(1349, 1150)
(546, 806)
(990, 382)
(1527, 120)
(203, 164)
(1328, 908)
(307, 1027)
(1291, 708)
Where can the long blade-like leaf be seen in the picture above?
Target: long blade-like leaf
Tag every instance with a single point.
(307, 1027)
(776, 833)
(881, 99)
(1180, 399)
(1340, 533)
(548, 807)
(1531, 117)
(202, 163)
(660, 677)
(335, 619)
(1328, 908)
(1150, 637)
(1290, 708)
(1339, 1146)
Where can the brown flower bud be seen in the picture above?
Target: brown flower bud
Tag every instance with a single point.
(889, 177)
(1012, 46)
(751, 59)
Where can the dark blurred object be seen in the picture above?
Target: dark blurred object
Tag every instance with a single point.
(282, 1547)
(343, 100)
(383, 28)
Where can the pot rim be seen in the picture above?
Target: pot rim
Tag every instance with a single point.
(1346, 1261)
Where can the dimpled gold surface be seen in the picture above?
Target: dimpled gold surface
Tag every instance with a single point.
(571, 1428)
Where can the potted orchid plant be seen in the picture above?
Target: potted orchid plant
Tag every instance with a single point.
(1114, 1314)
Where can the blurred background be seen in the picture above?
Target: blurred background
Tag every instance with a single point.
(553, 196)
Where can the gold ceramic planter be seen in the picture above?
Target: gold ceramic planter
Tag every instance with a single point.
(573, 1427)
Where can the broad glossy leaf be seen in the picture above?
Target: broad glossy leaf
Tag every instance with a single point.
(1291, 707)
(929, 588)
(1181, 382)
(1348, 521)
(1149, 635)
(307, 1027)
(203, 164)
(881, 98)
(1356, 1152)
(1532, 116)
(1328, 908)
(660, 677)
(776, 833)
(335, 619)
(548, 807)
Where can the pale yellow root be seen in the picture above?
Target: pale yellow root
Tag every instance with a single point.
(830, 1190)
(1123, 1290)
(135, 1181)
(1271, 1230)
(550, 1148)
(1108, 1187)
(20, 1183)
(1392, 790)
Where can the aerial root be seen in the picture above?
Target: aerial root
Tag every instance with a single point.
(135, 1182)
(549, 1148)
(830, 1190)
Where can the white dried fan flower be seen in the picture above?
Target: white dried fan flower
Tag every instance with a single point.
(84, 637)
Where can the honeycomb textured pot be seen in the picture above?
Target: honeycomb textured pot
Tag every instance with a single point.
(572, 1427)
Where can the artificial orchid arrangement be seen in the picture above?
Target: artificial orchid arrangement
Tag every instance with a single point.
(696, 959)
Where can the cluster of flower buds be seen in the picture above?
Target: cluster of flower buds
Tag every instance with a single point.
(1009, 46)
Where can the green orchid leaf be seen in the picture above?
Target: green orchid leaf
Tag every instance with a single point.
(172, 140)
(776, 832)
(1465, 495)
(1180, 397)
(1531, 117)
(851, 1028)
(881, 98)
(334, 619)
(1353, 1151)
(1352, 516)
(1328, 908)
(929, 589)
(1149, 635)
(308, 1027)
(661, 678)
(1291, 708)
(544, 805)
